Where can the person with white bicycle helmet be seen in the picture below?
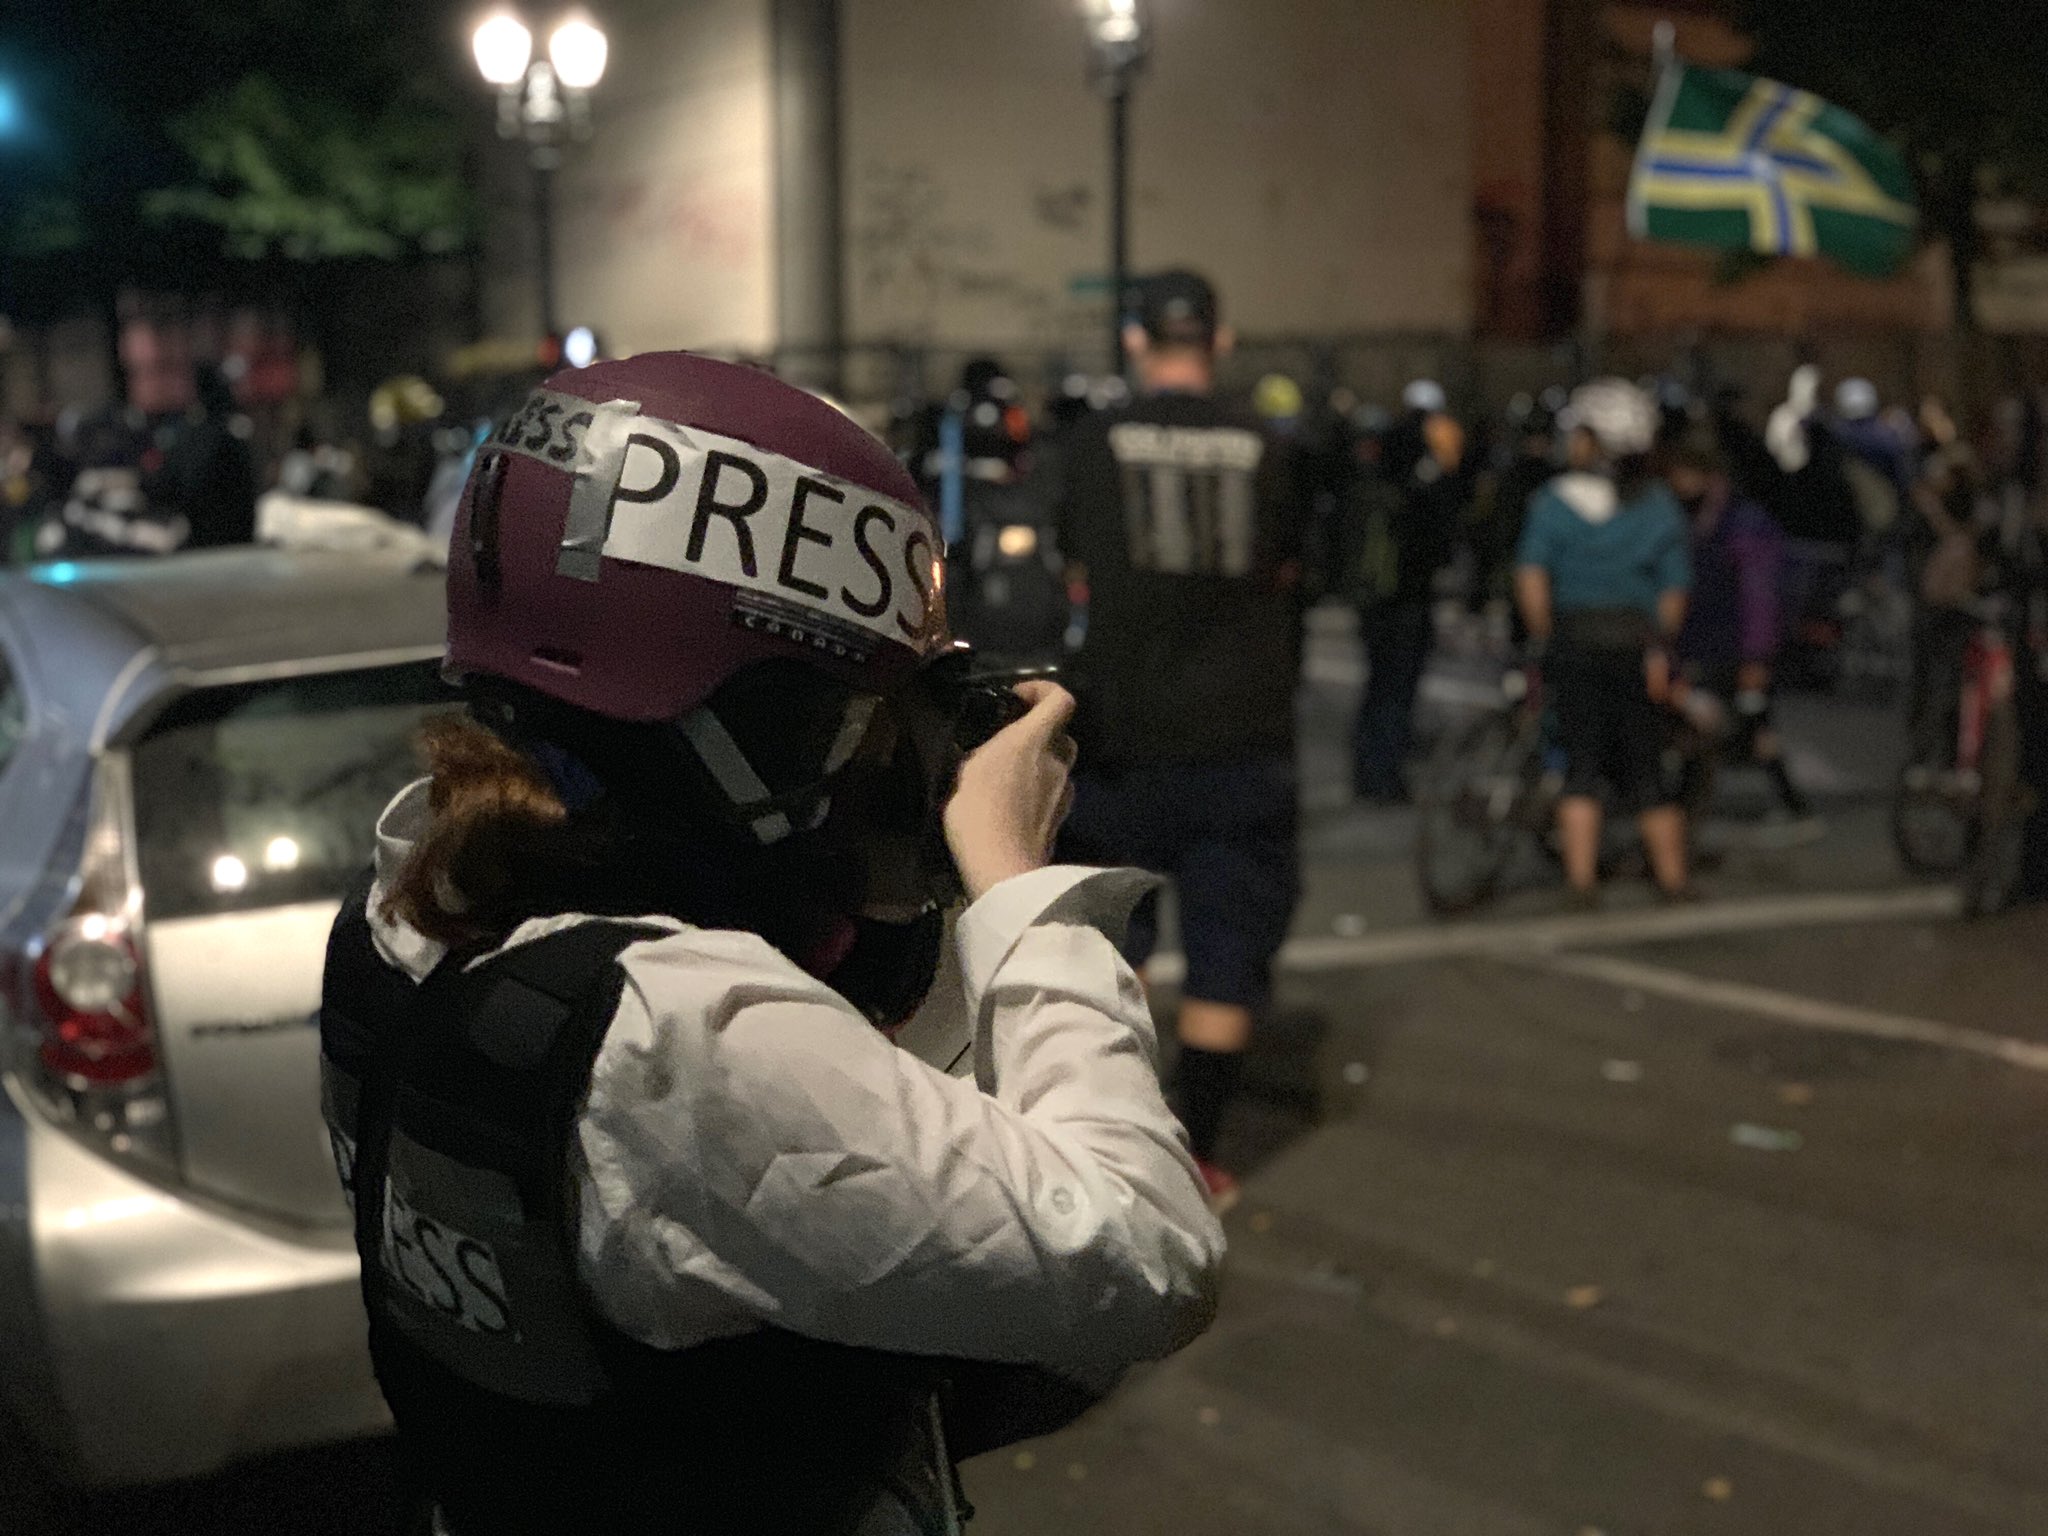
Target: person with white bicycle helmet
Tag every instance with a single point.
(1602, 576)
(663, 1225)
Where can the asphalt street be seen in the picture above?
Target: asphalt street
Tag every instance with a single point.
(1723, 1220)
(1529, 1251)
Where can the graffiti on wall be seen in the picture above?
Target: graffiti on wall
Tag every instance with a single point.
(699, 220)
(917, 263)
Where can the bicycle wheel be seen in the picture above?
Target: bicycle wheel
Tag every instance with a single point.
(1472, 811)
(1991, 872)
(1930, 825)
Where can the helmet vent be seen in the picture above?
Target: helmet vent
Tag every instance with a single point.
(555, 660)
(483, 522)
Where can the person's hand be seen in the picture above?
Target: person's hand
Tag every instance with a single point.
(1657, 675)
(1013, 793)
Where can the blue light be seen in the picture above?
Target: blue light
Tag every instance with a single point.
(62, 574)
(10, 111)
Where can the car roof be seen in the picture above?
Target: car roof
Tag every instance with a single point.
(229, 609)
(216, 616)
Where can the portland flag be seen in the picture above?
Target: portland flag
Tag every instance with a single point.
(1737, 163)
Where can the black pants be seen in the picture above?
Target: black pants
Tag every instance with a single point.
(1611, 731)
(1941, 636)
(1226, 834)
(1396, 637)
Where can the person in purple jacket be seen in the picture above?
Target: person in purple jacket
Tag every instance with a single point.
(1732, 625)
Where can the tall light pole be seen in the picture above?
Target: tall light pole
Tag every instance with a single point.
(1119, 40)
(546, 102)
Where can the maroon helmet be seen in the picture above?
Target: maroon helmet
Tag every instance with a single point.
(642, 532)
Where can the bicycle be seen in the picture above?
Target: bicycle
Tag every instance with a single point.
(1488, 794)
(1492, 789)
(1969, 819)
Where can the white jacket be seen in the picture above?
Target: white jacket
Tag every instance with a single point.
(754, 1151)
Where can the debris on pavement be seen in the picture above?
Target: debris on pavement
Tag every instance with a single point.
(1764, 1138)
(1719, 1489)
(1262, 1221)
(1795, 1095)
(1024, 1461)
(1210, 1417)
(1446, 1328)
(1348, 925)
(1618, 1071)
(1584, 1297)
(1077, 1471)
(1331, 1278)
(1356, 1072)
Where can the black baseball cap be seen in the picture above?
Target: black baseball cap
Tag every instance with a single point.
(1176, 308)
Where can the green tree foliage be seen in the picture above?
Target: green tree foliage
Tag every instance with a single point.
(312, 179)
(1958, 84)
(229, 148)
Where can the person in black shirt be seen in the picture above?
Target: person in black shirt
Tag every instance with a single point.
(1423, 464)
(208, 475)
(1185, 520)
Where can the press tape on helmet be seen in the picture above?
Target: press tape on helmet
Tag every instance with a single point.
(599, 463)
(656, 493)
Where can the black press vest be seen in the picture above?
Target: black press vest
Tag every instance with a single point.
(520, 1410)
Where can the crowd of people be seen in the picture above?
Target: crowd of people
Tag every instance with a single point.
(117, 482)
(1763, 524)
(1739, 541)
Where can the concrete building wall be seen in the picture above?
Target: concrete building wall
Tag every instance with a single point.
(1313, 156)
(665, 219)
(1508, 164)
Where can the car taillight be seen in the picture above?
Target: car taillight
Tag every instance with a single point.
(95, 1024)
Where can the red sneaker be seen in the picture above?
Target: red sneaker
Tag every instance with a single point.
(1223, 1188)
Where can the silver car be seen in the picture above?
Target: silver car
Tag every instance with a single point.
(193, 753)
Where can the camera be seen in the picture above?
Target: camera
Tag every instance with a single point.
(957, 706)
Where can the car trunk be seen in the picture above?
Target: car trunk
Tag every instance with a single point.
(255, 806)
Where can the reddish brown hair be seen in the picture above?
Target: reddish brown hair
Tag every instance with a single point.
(486, 801)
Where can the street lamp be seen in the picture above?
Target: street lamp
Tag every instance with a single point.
(547, 103)
(1118, 40)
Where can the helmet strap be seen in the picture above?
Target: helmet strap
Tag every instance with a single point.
(769, 816)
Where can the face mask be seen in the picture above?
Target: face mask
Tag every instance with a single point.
(889, 969)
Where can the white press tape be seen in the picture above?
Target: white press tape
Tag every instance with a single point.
(687, 500)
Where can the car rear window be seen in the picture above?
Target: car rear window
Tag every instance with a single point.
(265, 794)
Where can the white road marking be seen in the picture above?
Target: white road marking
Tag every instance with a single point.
(1818, 776)
(1548, 935)
(1792, 1008)
(1545, 943)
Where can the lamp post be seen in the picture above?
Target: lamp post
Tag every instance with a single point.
(547, 103)
(1118, 40)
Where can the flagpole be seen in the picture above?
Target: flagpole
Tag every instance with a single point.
(1663, 91)
(1663, 61)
